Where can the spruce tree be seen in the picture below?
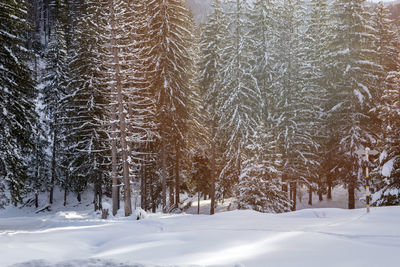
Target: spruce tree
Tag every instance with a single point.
(170, 26)
(387, 44)
(239, 104)
(17, 102)
(211, 46)
(351, 87)
(88, 159)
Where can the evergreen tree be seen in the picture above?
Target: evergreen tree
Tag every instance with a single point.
(170, 31)
(260, 186)
(211, 46)
(17, 106)
(387, 44)
(239, 104)
(88, 157)
(54, 85)
(294, 100)
(315, 76)
(351, 87)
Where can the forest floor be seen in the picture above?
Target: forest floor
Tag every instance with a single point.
(75, 236)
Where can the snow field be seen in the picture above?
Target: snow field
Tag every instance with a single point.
(310, 237)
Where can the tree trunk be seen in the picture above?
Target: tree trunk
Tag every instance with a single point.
(100, 198)
(164, 169)
(78, 197)
(310, 191)
(121, 113)
(213, 167)
(36, 199)
(198, 202)
(351, 196)
(65, 197)
(53, 164)
(293, 195)
(320, 195)
(177, 178)
(329, 195)
(171, 194)
(142, 188)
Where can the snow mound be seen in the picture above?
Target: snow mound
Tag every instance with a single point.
(387, 168)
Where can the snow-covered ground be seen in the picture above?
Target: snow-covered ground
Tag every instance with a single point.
(309, 237)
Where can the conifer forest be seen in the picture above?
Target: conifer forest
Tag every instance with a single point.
(142, 103)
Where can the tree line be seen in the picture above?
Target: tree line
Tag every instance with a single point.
(132, 99)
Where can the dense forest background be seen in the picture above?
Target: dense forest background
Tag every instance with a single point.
(250, 100)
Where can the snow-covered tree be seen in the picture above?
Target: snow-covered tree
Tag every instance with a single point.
(211, 46)
(87, 107)
(239, 101)
(17, 101)
(171, 39)
(260, 186)
(296, 108)
(351, 86)
(387, 45)
(54, 85)
(314, 73)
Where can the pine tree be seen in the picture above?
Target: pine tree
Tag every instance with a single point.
(88, 157)
(17, 95)
(387, 44)
(116, 14)
(260, 186)
(294, 100)
(211, 46)
(170, 26)
(351, 87)
(54, 85)
(315, 76)
(239, 102)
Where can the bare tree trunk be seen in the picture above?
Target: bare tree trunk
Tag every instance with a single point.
(320, 195)
(142, 188)
(163, 169)
(293, 193)
(329, 195)
(213, 166)
(310, 191)
(177, 180)
(36, 199)
(171, 193)
(198, 201)
(121, 113)
(114, 168)
(351, 192)
(65, 197)
(53, 164)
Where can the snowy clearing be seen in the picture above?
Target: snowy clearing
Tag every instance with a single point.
(310, 237)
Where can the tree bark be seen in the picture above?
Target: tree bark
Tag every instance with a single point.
(320, 195)
(293, 195)
(121, 113)
(351, 196)
(65, 197)
(213, 165)
(310, 191)
(177, 178)
(163, 169)
(329, 195)
(53, 164)
(36, 199)
(142, 188)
